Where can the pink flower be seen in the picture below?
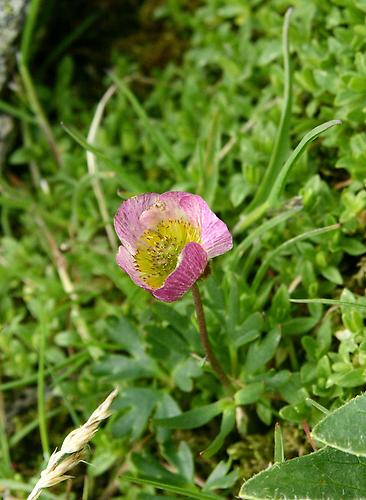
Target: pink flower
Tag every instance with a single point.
(167, 240)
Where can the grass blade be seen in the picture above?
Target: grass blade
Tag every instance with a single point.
(6, 466)
(192, 419)
(211, 161)
(330, 302)
(26, 41)
(279, 183)
(93, 169)
(260, 230)
(37, 108)
(267, 261)
(155, 134)
(318, 406)
(131, 182)
(279, 454)
(65, 43)
(173, 489)
(41, 389)
(16, 112)
(307, 139)
(282, 139)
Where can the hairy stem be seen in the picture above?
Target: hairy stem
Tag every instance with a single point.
(204, 337)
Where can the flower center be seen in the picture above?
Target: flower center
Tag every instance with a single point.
(158, 250)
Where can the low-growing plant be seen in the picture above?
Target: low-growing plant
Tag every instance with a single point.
(281, 315)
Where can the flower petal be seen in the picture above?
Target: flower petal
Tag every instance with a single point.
(127, 220)
(167, 207)
(216, 237)
(193, 260)
(126, 261)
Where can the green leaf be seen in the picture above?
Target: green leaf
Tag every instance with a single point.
(181, 458)
(348, 378)
(326, 474)
(280, 304)
(193, 418)
(239, 189)
(344, 428)
(125, 334)
(332, 274)
(119, 367)
(298, 326)
(249, 394)
(262, 351)
(249, 330)
(220, 477)
(353, 246)
(227, 425)
(149, 466)
(140, 403)
(185, 371)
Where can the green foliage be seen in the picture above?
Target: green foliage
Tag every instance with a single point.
(343, 428)
(285, 309)
(336, 471)
(315, 476)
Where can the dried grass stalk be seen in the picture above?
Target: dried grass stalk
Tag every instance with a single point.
(72, 449)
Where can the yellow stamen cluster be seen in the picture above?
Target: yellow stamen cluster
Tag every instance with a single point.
(158, 250)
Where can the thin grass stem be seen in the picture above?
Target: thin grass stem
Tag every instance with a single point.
(267, 261)
(155, 134)
(279, 453)
(69, 288)
(11, 110)
(4, 444)
(38, 110)
(93, 168)
(42, 417)
(282, 139)
(260, 230)
(330, 302)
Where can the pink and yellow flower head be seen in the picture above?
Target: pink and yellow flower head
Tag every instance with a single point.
(167, 240)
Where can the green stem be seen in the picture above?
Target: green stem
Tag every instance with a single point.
(270, 256)
(38, 110)
(42, 419)
(279, 454)
(4, 445)
(204, 337)
(282, 138)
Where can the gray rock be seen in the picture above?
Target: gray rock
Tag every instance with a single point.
(11, 20)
